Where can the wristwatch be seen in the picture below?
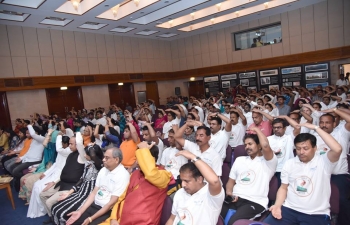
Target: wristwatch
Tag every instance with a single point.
(196, 159)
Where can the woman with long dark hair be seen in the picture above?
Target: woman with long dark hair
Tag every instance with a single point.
(71, 201)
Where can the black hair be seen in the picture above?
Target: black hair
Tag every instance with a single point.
(318, 104)
(295, 113)
(27, 121)
(144, 128)
(249, 106)
(171, 131)
(268, 97)
(329, 115)
(155, 152)
(235, 113)
(190, 167)
(65, 139)
(252, 136)
(101, 129)
(217, 119)
(11, 132)
(23, 130)
(36, 129)
(99, 111)
(96, 155)
(305, 137)
(281, 96)
(206, 129)
(114, 122)
(191, 115)
(172, 114)
(280, 120)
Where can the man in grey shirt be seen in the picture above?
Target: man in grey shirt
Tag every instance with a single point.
(282, 107)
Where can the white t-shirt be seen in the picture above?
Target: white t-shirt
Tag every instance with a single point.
(111, 183)
(219, 142)
(160, 146)
(209, 156)
(249, 117)
(309, 187)
(282, 147)
(342, 135)
(200, 113)
(101, 121)
(171, 162)
(237, 134)
(253, 178)
(199, 208)
(331, 105)
(341, 82)
(167, 126)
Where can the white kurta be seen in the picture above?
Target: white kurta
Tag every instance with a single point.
(36, 208)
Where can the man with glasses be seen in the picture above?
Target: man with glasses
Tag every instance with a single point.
(282, 143)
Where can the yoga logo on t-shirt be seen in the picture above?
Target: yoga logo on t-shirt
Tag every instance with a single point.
(185, 217)
(103, 193)
(232, 136)
(171, 164)
(303, 186)
(278, 151)
(322, 149)
(247, 177)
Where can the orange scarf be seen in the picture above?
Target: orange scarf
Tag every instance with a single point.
(87, 140)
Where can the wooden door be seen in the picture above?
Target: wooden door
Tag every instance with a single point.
(60, 102)
(122, 94)
(196, 88)
(152, 91)
(5, 119)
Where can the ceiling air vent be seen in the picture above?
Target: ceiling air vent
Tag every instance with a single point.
(78, 79)
(89, 78)
(136, 76)
(12, 82)
(27, 82)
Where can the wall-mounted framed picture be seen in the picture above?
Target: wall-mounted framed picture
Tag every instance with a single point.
(314, 85)
(265, 80)
(247, 75)
(316, 67)
(229, 76)
(225, 84)
(274, 87)
(211, 79)
(244, 82)
(316, 75)
(251, 89)
(264, 73)
(289, 70)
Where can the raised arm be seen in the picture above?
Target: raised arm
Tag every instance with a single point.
(228, 126)
(182, 112)
(179, 133)
(264, 143)
(133, 132)
(335, 148)
(209, 175)
(241, 115)
(177, 113)
(152, 132)
(268, 116)
(294, 124)
(35, 136)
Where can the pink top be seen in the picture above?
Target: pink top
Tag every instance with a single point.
(161, 121)
(264, 126)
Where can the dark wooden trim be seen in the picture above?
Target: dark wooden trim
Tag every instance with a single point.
(275, 62)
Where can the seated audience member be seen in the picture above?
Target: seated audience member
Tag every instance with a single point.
(10, 156)
(35, 172)
(200, 199)
(264, 126)
(12, 138)
(70, 175)
(4, 140)
(219, 138)
(282, 144)
(303, 197)
(110, 184)
(201, 148)
(91, 118)
(32, 157)
(142, 205)
(174, 117)
(100, 118)
(88, 135)
(239, 125)
(74, 199)
(190, 133)
(249, 179)
(161, 120)
(149, 135)
(19, 125)
(129, 147)
(282, 107)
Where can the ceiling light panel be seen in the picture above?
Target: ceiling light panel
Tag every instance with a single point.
(147, 32)
(29, 4)
(92, 25)
(171, 9)
(235, 15)
(122, 29)
(125, 9)
(56, 21)
(82, 8)
(211, 10)
(14, 16)
(167, 35)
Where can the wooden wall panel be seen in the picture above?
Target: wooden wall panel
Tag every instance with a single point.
(283, 61)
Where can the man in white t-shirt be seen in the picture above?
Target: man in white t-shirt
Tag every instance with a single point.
(340, 176)
(201, 148)
(342, 81)
(239, 127)
(248, 184)
(303, 197)
(174, 117)
(149, 135)
(200, 199)
(111, 183)
(219, 138)
(169, 160)
(282, 144)
(248, 114)
(100, 118)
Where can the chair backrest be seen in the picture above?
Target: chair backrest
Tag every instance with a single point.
(349, 163)
(226, 168)
(220, 221)
(166, 210)
(334, 199)
(239, 151)
(228, 154)
(273, 188)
